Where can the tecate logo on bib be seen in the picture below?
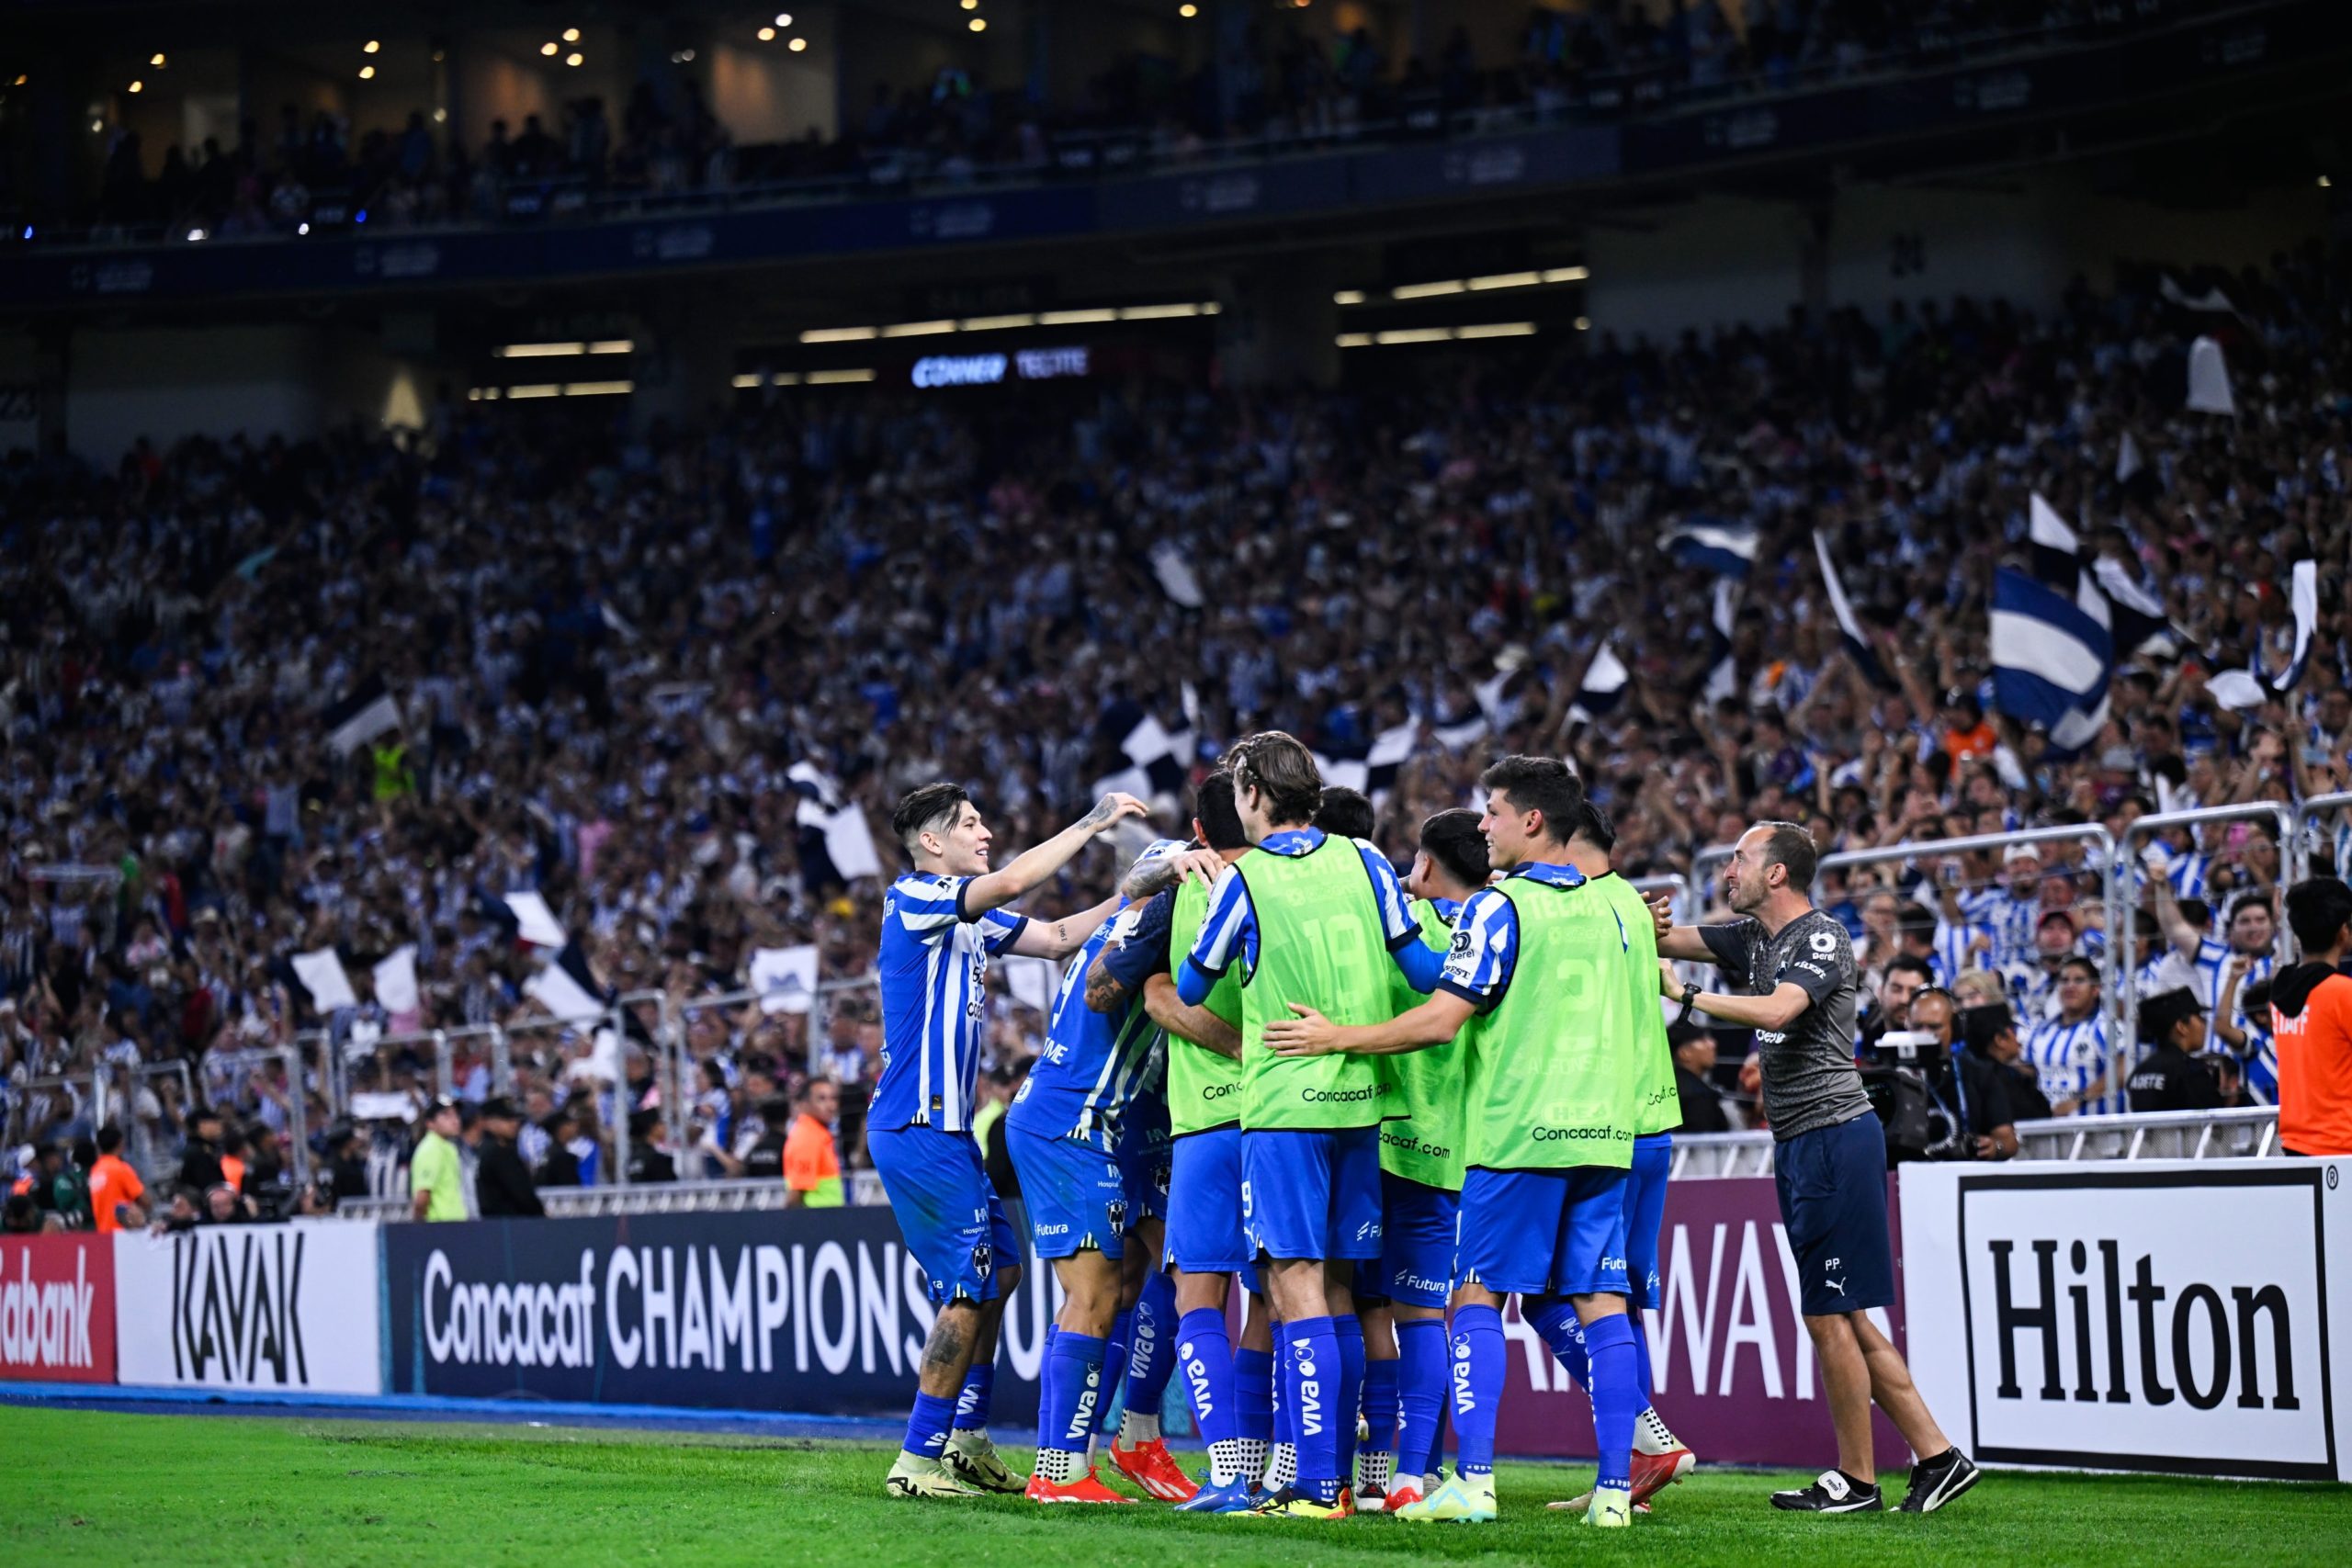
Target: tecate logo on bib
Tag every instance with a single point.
(2168, 1319)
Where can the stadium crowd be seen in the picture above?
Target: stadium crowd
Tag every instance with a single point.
(609, 652)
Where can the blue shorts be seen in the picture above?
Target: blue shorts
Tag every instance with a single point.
(1544, 1233)
(1832, 1182)
(954, 1226)
(1144, 1158)
(1416, 1263)
(1312, 1193)
(1205, 1232)
(1645, 1212)
(1073, 1192)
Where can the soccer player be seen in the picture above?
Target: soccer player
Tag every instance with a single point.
(940, 922)
(1308, 919)
(1420, 1188)
(1550, 1117)
(1229, 1390)
(1063, 1131)
(1829, 1157)
(1659, 1457)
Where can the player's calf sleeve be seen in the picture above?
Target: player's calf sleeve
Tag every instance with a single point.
(1313, 1380)
(1114, 1368)
(1253, 1409)
(1555, 1323)
(1077, 1388)
(1616, 1398)
(1637, 1321)
(978, 1394)
(1381, 1386)
(1479, 1350)
(927, 1428)
(1204, 1356)
(1151, 1358)
(1421, 1378)
(1349, 1330)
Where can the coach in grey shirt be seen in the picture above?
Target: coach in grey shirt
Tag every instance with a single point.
(1796, 966)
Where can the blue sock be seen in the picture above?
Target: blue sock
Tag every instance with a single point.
(1642, 1382)
(1114, 1369)
(1077, 1386)
(1555, 1321)
(1045, 1391)
(1350, 1331)
(927, 1428)
(1311, 1382)
(1206, 1351)
(1478, 1385)
(1420, 1377)
(1151, 1358)
(1253, 1396)
(1616, 1400)
(979, 1392)
(1380, 1405)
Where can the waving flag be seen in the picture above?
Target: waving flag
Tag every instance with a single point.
(1857, 645)
(2052, 656)
(2303, 598)
(1726, 548)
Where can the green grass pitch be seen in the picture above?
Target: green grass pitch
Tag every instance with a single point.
(95, 1487)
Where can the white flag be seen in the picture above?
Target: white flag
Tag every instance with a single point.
(536, 922)
(321, 975)
(396, 980)
(785, 978)
(2208, 380)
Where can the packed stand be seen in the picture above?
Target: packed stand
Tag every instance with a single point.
(609, 654)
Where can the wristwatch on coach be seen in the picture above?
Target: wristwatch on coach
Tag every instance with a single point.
(1690, 994)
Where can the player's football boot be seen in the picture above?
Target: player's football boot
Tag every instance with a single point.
(914, 1476)
(1457, 1500)
(1290, 1503)
(1087, 1488)
(1372, 1501)
(1150, 1466)
(1612, 1507)
(1935, 1481)
(1234, 1497)
(1402, 1495)
(1652, 1474)
(973, 1461)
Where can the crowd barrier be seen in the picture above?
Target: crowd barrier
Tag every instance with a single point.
(2109, 1310)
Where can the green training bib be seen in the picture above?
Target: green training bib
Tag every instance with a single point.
(1203, 1089)
(1319, 942)
(1425, 1143)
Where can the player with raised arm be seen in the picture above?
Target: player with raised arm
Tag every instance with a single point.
(1829, 1157)
(1534, 986)
(940, 922)
(1421, 1160)
(1307, 920)
(1063, 1131)
(1659, 1457)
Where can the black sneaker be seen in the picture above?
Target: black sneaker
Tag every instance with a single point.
(1835, 1493)
(1935, 1481)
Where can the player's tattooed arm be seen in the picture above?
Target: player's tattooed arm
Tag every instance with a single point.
(1030, 868)
(1151, 876)
(1103, 991)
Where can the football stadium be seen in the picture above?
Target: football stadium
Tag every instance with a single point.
(1256, 782)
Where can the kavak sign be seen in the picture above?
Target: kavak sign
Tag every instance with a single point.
(279, 1307)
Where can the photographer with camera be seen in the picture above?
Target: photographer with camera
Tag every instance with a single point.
(1938, 1103)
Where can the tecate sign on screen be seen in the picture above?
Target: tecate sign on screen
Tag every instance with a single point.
(2148, 1320)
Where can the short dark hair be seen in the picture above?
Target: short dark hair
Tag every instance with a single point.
(1280, 767)
(923, 809)
(1912, 963)
(1540, 784)
(1214, 810)
(2076, 961)
(1787, 844)
(2239, 904)
(1596, 828)
(1345, 812)
(1980, 1026)
(1452, 838)
(110, 1137)
(2196, 911)
(2317, 908)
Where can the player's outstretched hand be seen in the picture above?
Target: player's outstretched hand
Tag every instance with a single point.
(1308, 1035)
(1661, 911)
(1112, 807)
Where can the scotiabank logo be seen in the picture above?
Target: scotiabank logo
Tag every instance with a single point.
(57, 1308)
(2169, 1320)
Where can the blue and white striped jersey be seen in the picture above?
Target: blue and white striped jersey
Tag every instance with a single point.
(1229, 930)
(1956, 952)
(1094, 1066)
(2260, 1053)
(934, 964)
(1484, 950)
(2069, 1057)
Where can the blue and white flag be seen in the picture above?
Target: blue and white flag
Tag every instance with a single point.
(2051, 657)
(1858, 647)
(1728, 548)
(1604, 685)
(1722, 670)
(2303, 598)
(2057, 552)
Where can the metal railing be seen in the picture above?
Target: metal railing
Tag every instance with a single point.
(2123, 935)
(2157, 1135)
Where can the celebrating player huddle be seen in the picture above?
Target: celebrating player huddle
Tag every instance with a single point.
(1366, 1101)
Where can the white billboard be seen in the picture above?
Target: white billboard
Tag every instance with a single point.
(2174, 1315)
(287, 1307)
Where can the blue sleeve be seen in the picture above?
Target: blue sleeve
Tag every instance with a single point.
(1138, 950)
(1479, 962)
(1396, 922)
(1423, 965)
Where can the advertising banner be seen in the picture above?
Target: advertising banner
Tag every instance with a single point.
(818, 1311)
(1731, 1365)
(57, 1308)
(2173, 1315)
(276, 1307)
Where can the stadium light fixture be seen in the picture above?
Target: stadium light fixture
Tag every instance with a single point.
(195, 235)
(154, 60)
(1427, 290)
(838, 377)
(536, 389)
(1566, 275)
(1505, 280)
(766, 35)
(1584, 323)
(837, 335)
(549, 48)
(572, 35)
(575, 59)
(440, 117)
(613, 345)
(797, 45)
(1412, 334)
(784, 18)
(367, 73)
(1157, 312)
(1188, 10)
(137, 86)
(597, 389)
(1075, 318)
(302, 228)
(1496, 329)
(2322, 179)
(744, 383)
(1347, 297)
(371, 46)
(996, 323)
(918, 329)
(980, 24)
(537, 350)
(971, 5)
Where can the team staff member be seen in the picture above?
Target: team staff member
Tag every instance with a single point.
(2310, 1007)
(1550, 1118)
(501, 1182)
(2177, 1071)
(1830, 1158)
(813, 1171)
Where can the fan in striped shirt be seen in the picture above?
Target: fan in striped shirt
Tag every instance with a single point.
(2253, 935)
(2071, 1051)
